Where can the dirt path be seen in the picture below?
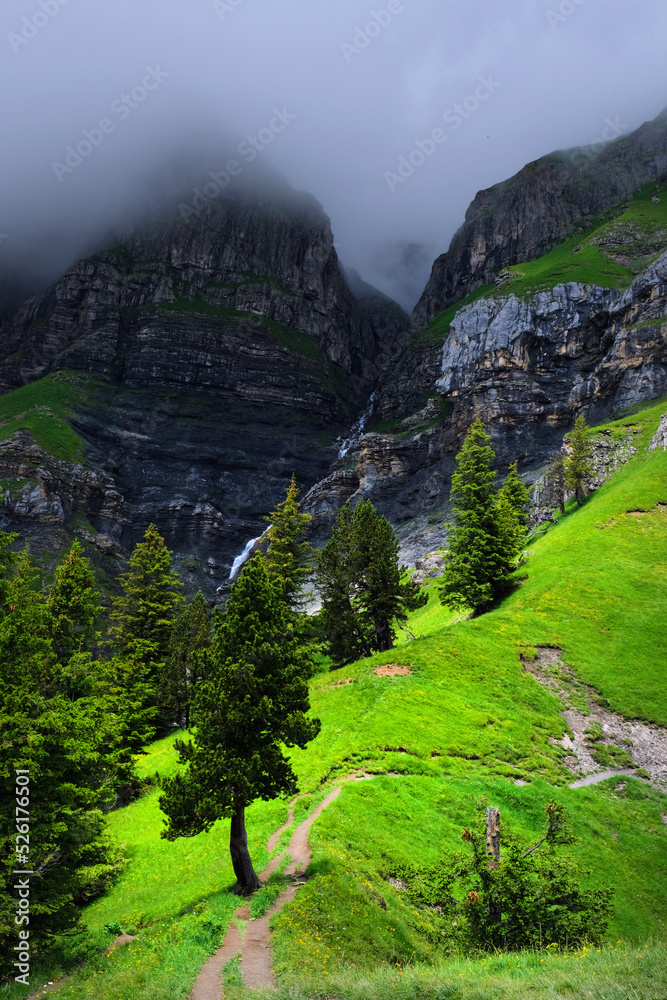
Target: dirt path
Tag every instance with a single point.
(254, 944)
(644, 742)
(595, 779)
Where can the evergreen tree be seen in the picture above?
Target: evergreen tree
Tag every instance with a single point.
(190, 637)
(578, 462)
(482, 540)
(72, 606)
(8, 560)
(57, 726)
(555, 481)
(144, 613)
(252, 703)
(288, 559)
(359, 578)
(511, 512)
(142, 620)
(345, 636)
(517, 494)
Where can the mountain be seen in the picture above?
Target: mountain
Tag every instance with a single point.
(199, 363)
(581, 330)
(549, 200)
(183, 374)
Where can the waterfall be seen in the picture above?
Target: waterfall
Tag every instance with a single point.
(243, 557)
(358, 429)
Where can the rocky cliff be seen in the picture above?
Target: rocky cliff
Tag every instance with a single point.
(183, 375)
(221, 353)
(527, 366)
(549, 200)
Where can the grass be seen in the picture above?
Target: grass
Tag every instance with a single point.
(375, 827)
(294, 340)
(45, 409)
(456, 733)
(619, 971)
(439, 327)
(582, 258)
(632, 230)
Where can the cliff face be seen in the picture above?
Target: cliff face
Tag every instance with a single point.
(525, 216)
(223, 353)
(527, 366)
(200, 363)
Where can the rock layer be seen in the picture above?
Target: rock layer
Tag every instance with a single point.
(228, 352)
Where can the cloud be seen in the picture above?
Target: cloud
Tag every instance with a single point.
(228, 64)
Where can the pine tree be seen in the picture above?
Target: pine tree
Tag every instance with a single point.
(516, 493)
(57, 726)
(252, 703)
(578, 463)
(511, 512)
(142, 620)
(8, 560)
(340, 623)
(288, 559)
(72, 606)
(555, 481)
(359, 578)
(144, 613)
(190, 638)
(478, 563)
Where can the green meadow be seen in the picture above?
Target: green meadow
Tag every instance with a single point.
(467, 727)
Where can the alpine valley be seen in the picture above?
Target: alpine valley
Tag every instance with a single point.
(181, 375)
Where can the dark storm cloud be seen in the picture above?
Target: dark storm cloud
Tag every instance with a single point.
(111, 106)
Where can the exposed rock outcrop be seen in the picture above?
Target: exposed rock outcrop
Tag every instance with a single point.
(527, 367)
(227, 352)
(525, 216)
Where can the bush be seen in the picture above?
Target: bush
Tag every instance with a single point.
(525, 899)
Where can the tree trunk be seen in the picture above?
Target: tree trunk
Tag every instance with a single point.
(493, 835)
(246, 879)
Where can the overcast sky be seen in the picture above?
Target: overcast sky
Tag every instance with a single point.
(358, 85)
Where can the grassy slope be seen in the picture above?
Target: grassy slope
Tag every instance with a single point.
(454, 733)
(44, 408)
(582, 258)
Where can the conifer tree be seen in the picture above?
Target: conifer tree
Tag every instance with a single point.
(288, 558)
(478, 563)
(511, 512)
(56, 726)
(359, 576)
(555, 481)
(190, 637)
(8, 560)
(142, 620)
(516, 493)
(144, 613)
(252, 702)
(345, 636)
(578, 462)
(72, 606)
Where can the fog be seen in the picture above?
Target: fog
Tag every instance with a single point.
(331, 93)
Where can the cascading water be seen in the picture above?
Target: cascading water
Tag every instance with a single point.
(358, 429)
(244, 556)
